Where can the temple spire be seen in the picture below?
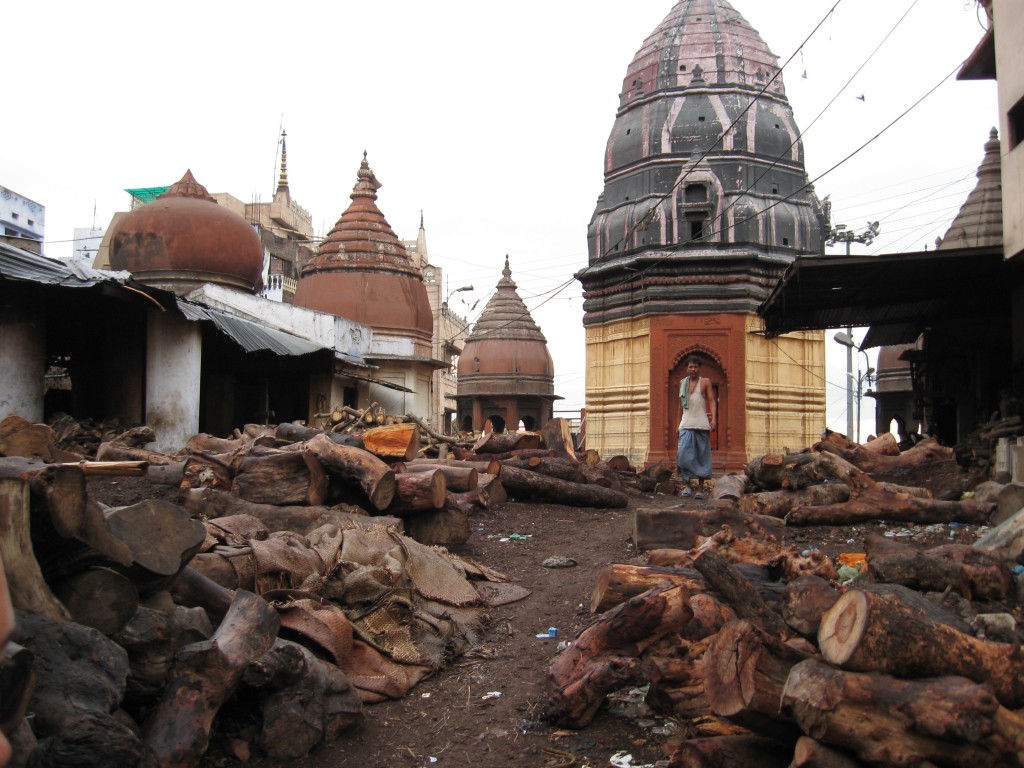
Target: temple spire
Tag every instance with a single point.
(282, 180)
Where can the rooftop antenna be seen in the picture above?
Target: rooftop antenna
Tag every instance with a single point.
(277, 145)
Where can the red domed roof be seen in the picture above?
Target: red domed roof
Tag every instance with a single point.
(362, 271)
(184, 239)
(506, 352)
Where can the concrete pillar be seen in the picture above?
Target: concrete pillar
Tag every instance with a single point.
(22, 360)
(174, 349)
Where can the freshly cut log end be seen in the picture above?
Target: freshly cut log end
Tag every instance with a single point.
(842, 627)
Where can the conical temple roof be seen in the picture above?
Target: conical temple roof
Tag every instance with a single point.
(980, 220)
(362, 271)
(506, 342)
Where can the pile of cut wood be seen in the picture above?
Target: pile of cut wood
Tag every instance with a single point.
(768, 659)
(293, 574)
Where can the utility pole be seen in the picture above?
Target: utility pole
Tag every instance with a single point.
(840, 233)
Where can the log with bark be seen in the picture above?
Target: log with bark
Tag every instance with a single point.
(656, 528)
(973, 573)
(448, 527)
(459, 479)
(20, 437)
(374, 476)
(530, 486)
(551, 467)
(394, 441)
(927, 465)
(299, 433)
(805, 600)
(205, 472)
(809, 753)
(605, 657)
(205, 674)
(867, 632)
(889, 721)
(619, 582)
(731, 751)
(779, 503)
(281, 477)
(791, 472)
(730, 488)
(557, 438)
(876, 503)
(745, 670)
(99, 597)
(727, 580)
(417, 492)
(500, 442)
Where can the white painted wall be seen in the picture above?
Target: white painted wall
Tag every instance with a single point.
(173, 371)
(22, 362)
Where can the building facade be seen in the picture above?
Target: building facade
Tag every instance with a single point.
(706, 202)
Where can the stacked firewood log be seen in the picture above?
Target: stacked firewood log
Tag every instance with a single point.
(767, 659)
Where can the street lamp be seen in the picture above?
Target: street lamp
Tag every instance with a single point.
(840, 233)
(868, 376)
(456, 290)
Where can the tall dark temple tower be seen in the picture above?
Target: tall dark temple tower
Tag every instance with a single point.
(705, 203)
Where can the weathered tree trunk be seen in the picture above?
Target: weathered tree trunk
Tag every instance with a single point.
(877, 504)
(805, 600)
(557, 438)
(619, 582)
(885, 444)
(889, 721)
(458, 479)
(973, 573)
(726, 580)
(161, 537)
(655, 528)
(100, 598)
(605, 657)
(928, 465)
(500, 442)
(205, 472)
(193, 589)
(376, 478)
(809, 753)
(29, 591)
(446, 527)
(417, 492)
(287, 477)
(114, 452)
(731, 488)
(745, 670)
(866, 632)
(205, 674)
(17, 680)
(204, 443)
(531, 486)
(549, 466)
(778, 503)
(801, 470)
(298, 433)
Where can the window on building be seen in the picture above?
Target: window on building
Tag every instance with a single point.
(14, 216)
(696, 193)
(696, 229)
(1015, 119)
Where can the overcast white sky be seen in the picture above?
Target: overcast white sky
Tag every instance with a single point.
(491, 118)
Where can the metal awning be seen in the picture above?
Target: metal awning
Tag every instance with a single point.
(896, 294)
(250, 336)
(340, 371)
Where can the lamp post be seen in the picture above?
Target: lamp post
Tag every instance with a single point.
(866, 377)
(840, 233)
(456, 290)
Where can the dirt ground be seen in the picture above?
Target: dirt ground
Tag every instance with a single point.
(485, 709)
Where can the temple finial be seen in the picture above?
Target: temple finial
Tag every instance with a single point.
(282, 180)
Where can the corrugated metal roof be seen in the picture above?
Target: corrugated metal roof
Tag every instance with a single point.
(248, 335)
(19, 264)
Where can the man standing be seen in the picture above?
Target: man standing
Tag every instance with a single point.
(700, 415)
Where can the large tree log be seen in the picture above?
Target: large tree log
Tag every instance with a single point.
(619, 582)
(417, 492)
(20, 437)
(213, 504)
(878, 504)
(745, 670)
(778, 503)
(530, 486)
(890, 721)
(728, 581)
(115, 452)
(730, 487)
(29, 591)
(974, 573)
(100, 598)
(205, 443)
(884, 444)
(17, 681)
(500, 442)
(605, 657)
(298, 433)
(800, 470)
(458, 479)
(374, 477)
(549, 466)
(304, 701)
(205, 674)
(161, 537)
(928, 465)
(205, 472)
(805, 600)
(809, 753)
(557, 438)
(439, 527)
(281, 478)
(866, 632)
(656, 528)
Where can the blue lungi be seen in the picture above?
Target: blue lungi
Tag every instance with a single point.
(694, 454)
